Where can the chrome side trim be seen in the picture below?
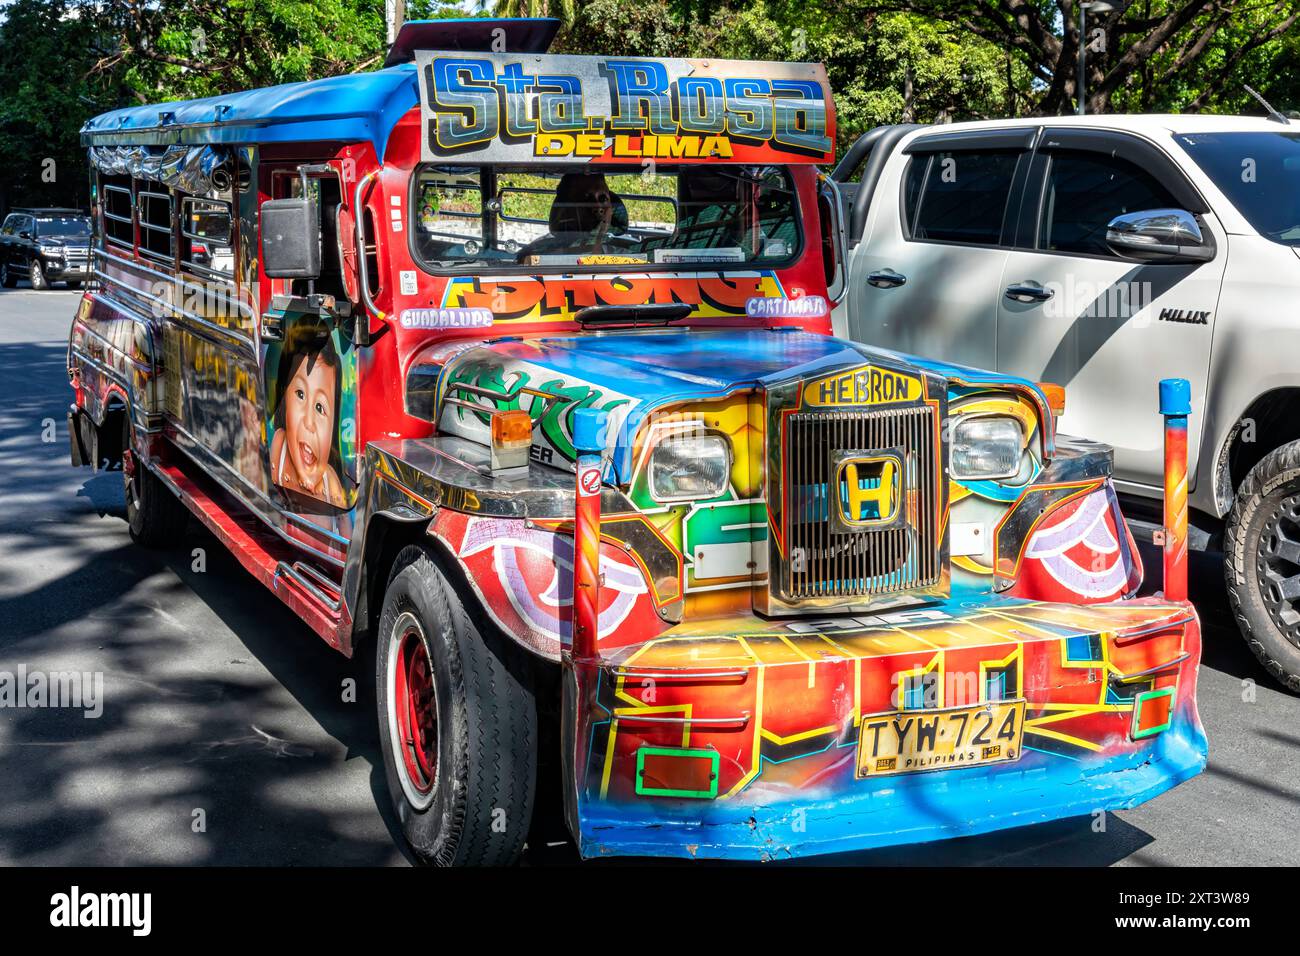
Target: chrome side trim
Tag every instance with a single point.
(299, 574)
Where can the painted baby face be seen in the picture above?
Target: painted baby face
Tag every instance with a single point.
(309, 420)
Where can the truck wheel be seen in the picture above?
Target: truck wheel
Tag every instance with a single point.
(457, 722)
(154, 515)
(7, 278)
(37, 276)
(1261, 562)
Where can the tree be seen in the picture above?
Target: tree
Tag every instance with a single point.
(1155, 46)
(46, 93)
(883, 67)
(180, 49)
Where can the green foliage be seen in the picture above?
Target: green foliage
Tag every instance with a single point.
(47, 89)
(884, 68)
(180, 49)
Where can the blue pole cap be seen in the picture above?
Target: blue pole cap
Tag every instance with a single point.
(589, 425)
(1175, 396)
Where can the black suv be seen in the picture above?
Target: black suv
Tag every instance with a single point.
(44, 246)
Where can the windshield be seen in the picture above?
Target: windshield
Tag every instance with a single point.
(494, 216)
(62, 226)
(1259, 173)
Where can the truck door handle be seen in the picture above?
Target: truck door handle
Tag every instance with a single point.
(886, 279)
(1028, 292)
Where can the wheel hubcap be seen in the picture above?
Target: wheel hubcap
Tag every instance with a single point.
(1277, 566)
(413, 711)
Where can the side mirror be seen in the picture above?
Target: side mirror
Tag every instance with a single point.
(1159, 235)
(24, 234)
(291, 238)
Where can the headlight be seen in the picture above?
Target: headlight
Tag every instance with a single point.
(986, 446)
(689, 467)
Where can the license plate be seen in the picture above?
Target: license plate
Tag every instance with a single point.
(912, 741)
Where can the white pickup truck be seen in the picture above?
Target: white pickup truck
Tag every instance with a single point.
(1104, 253)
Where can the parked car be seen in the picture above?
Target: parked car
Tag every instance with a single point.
(1105, 253)
(43, 246)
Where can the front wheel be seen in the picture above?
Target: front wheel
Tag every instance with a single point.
(37, 275)
(457, 722)
(1261, 562)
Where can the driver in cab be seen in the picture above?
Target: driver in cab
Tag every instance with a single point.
(585, 217)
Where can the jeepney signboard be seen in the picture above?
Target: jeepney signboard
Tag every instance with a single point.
(527, 108)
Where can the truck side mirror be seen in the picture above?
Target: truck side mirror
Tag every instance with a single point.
(1159, 235)
(291, 238)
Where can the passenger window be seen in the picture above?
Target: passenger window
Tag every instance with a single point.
(1085, 191)
(8, 229)
(156, 224)
(449, 212)
(117, 216)
(958, 197)
(206, 235)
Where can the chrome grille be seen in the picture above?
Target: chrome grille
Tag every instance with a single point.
(825, 563)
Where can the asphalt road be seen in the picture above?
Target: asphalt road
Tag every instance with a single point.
(225, 737)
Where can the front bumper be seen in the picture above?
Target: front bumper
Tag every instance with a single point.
(69, 268)
(782, 709)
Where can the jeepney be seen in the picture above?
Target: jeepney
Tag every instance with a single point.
(516, 369)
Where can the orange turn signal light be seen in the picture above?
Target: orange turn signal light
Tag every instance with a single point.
(512, 440)
(511, 428)
(1055, 397)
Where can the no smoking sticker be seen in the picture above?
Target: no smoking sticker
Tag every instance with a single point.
(589, 481)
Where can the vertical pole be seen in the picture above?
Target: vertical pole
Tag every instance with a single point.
(1079, 83)
(394, 17)
(1175, 406)
(589, 440)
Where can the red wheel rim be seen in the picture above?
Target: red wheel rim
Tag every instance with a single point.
(416, 705)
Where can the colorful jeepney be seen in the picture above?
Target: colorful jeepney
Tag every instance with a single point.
(515, 369)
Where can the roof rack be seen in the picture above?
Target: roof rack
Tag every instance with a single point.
(49, 211)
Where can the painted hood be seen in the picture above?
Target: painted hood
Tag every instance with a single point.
(630, 374)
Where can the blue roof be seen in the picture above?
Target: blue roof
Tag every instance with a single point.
(353, 108)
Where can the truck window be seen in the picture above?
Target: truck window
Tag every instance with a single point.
(156, 224)
(603, 218)
(62, 226)
(1084, 192)
(206, 235)
(1260, 174)
(958, 197)
(117, 211)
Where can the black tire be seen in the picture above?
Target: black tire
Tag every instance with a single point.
(7, 278)
(474, 805)
(36, 275)
(1258, 555)
(155, 516)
